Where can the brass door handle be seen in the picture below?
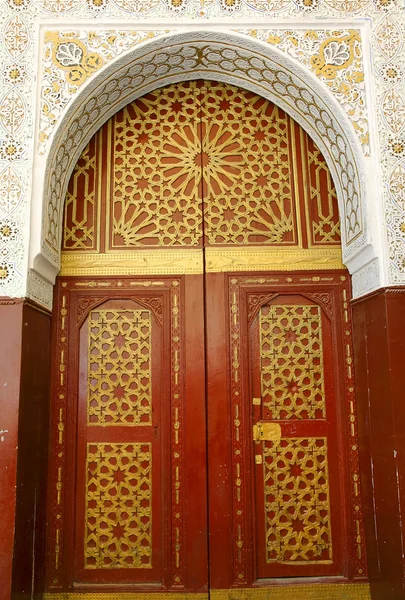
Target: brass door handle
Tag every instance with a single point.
(266, 431)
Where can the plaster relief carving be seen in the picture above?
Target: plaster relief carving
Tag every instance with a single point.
(217, 57)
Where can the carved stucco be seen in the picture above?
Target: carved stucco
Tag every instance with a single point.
(219, 56)
(380, 90)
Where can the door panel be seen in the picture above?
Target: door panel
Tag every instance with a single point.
(118, 521)
(293, 405)
(123, 472)
(280, 430)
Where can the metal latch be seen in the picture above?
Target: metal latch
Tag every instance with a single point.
(266, 431)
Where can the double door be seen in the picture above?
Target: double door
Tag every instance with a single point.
(202, 433)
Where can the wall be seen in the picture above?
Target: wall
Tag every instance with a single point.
(30, 520)
(10, 365)
(379, 348)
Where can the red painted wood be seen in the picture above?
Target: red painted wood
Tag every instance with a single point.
(379, 346)
(223, 446)
(179, 533)
(33, 423)
(10, 367)
(195, 448)
(219, 433)
(155, 434)
(300, 428)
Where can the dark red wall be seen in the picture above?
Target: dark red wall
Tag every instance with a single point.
(33, 425)
(379, 342)
(10, 361)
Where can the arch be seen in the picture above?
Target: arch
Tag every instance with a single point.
(213, 55)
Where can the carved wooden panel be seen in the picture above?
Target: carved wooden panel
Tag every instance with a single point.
(248, 170)
(120, 462)
(154, 198)
(194, 151)
(119, 368)
(291, 362)
(290, 471)
(82, 203)
(294, 425)
(322, 215)
(118, 506)
(297, 509)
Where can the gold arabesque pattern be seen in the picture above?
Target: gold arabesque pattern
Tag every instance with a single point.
(81, 208)
(207, 150)
(118, 522)
(321, 200)
(156, 199)
(119, 368)
(314, 591)
(297, 512)
(248, 181)
(291, 355)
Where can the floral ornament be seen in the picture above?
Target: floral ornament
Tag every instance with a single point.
(307, 5)
(57, 6)
(10, 150)
(396, 147)
(384, 4)
(97, 5)
(230, 6)
(14, 74)
(19, 4)
(396, 185)
(402, 227)
(8, 231)
(6, 272)
(335, 54)
(72, 56)
(12, 111)
(176, 4)
(391, 73)
(16, 37)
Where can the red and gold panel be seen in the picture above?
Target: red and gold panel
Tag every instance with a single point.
(82, 205)
(154, 197)
(322, 213)
(118, 525)
(284, 459)
(200, 150)
(119, 463)
(119, 368)
(248, 170)
(291, 362)
(121, 470)
(296, 501)
(297, 484)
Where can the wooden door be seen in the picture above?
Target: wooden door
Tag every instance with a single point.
(201, 255)
(127, 479)
(282, 431)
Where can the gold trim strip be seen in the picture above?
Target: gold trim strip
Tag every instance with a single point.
(138, 262)
(189, 262)
(124, 596)
(258, 258)
(316, 591)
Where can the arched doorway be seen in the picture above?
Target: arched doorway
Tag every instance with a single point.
(203, 389)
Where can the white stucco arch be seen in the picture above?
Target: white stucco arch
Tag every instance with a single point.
(206, 54)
